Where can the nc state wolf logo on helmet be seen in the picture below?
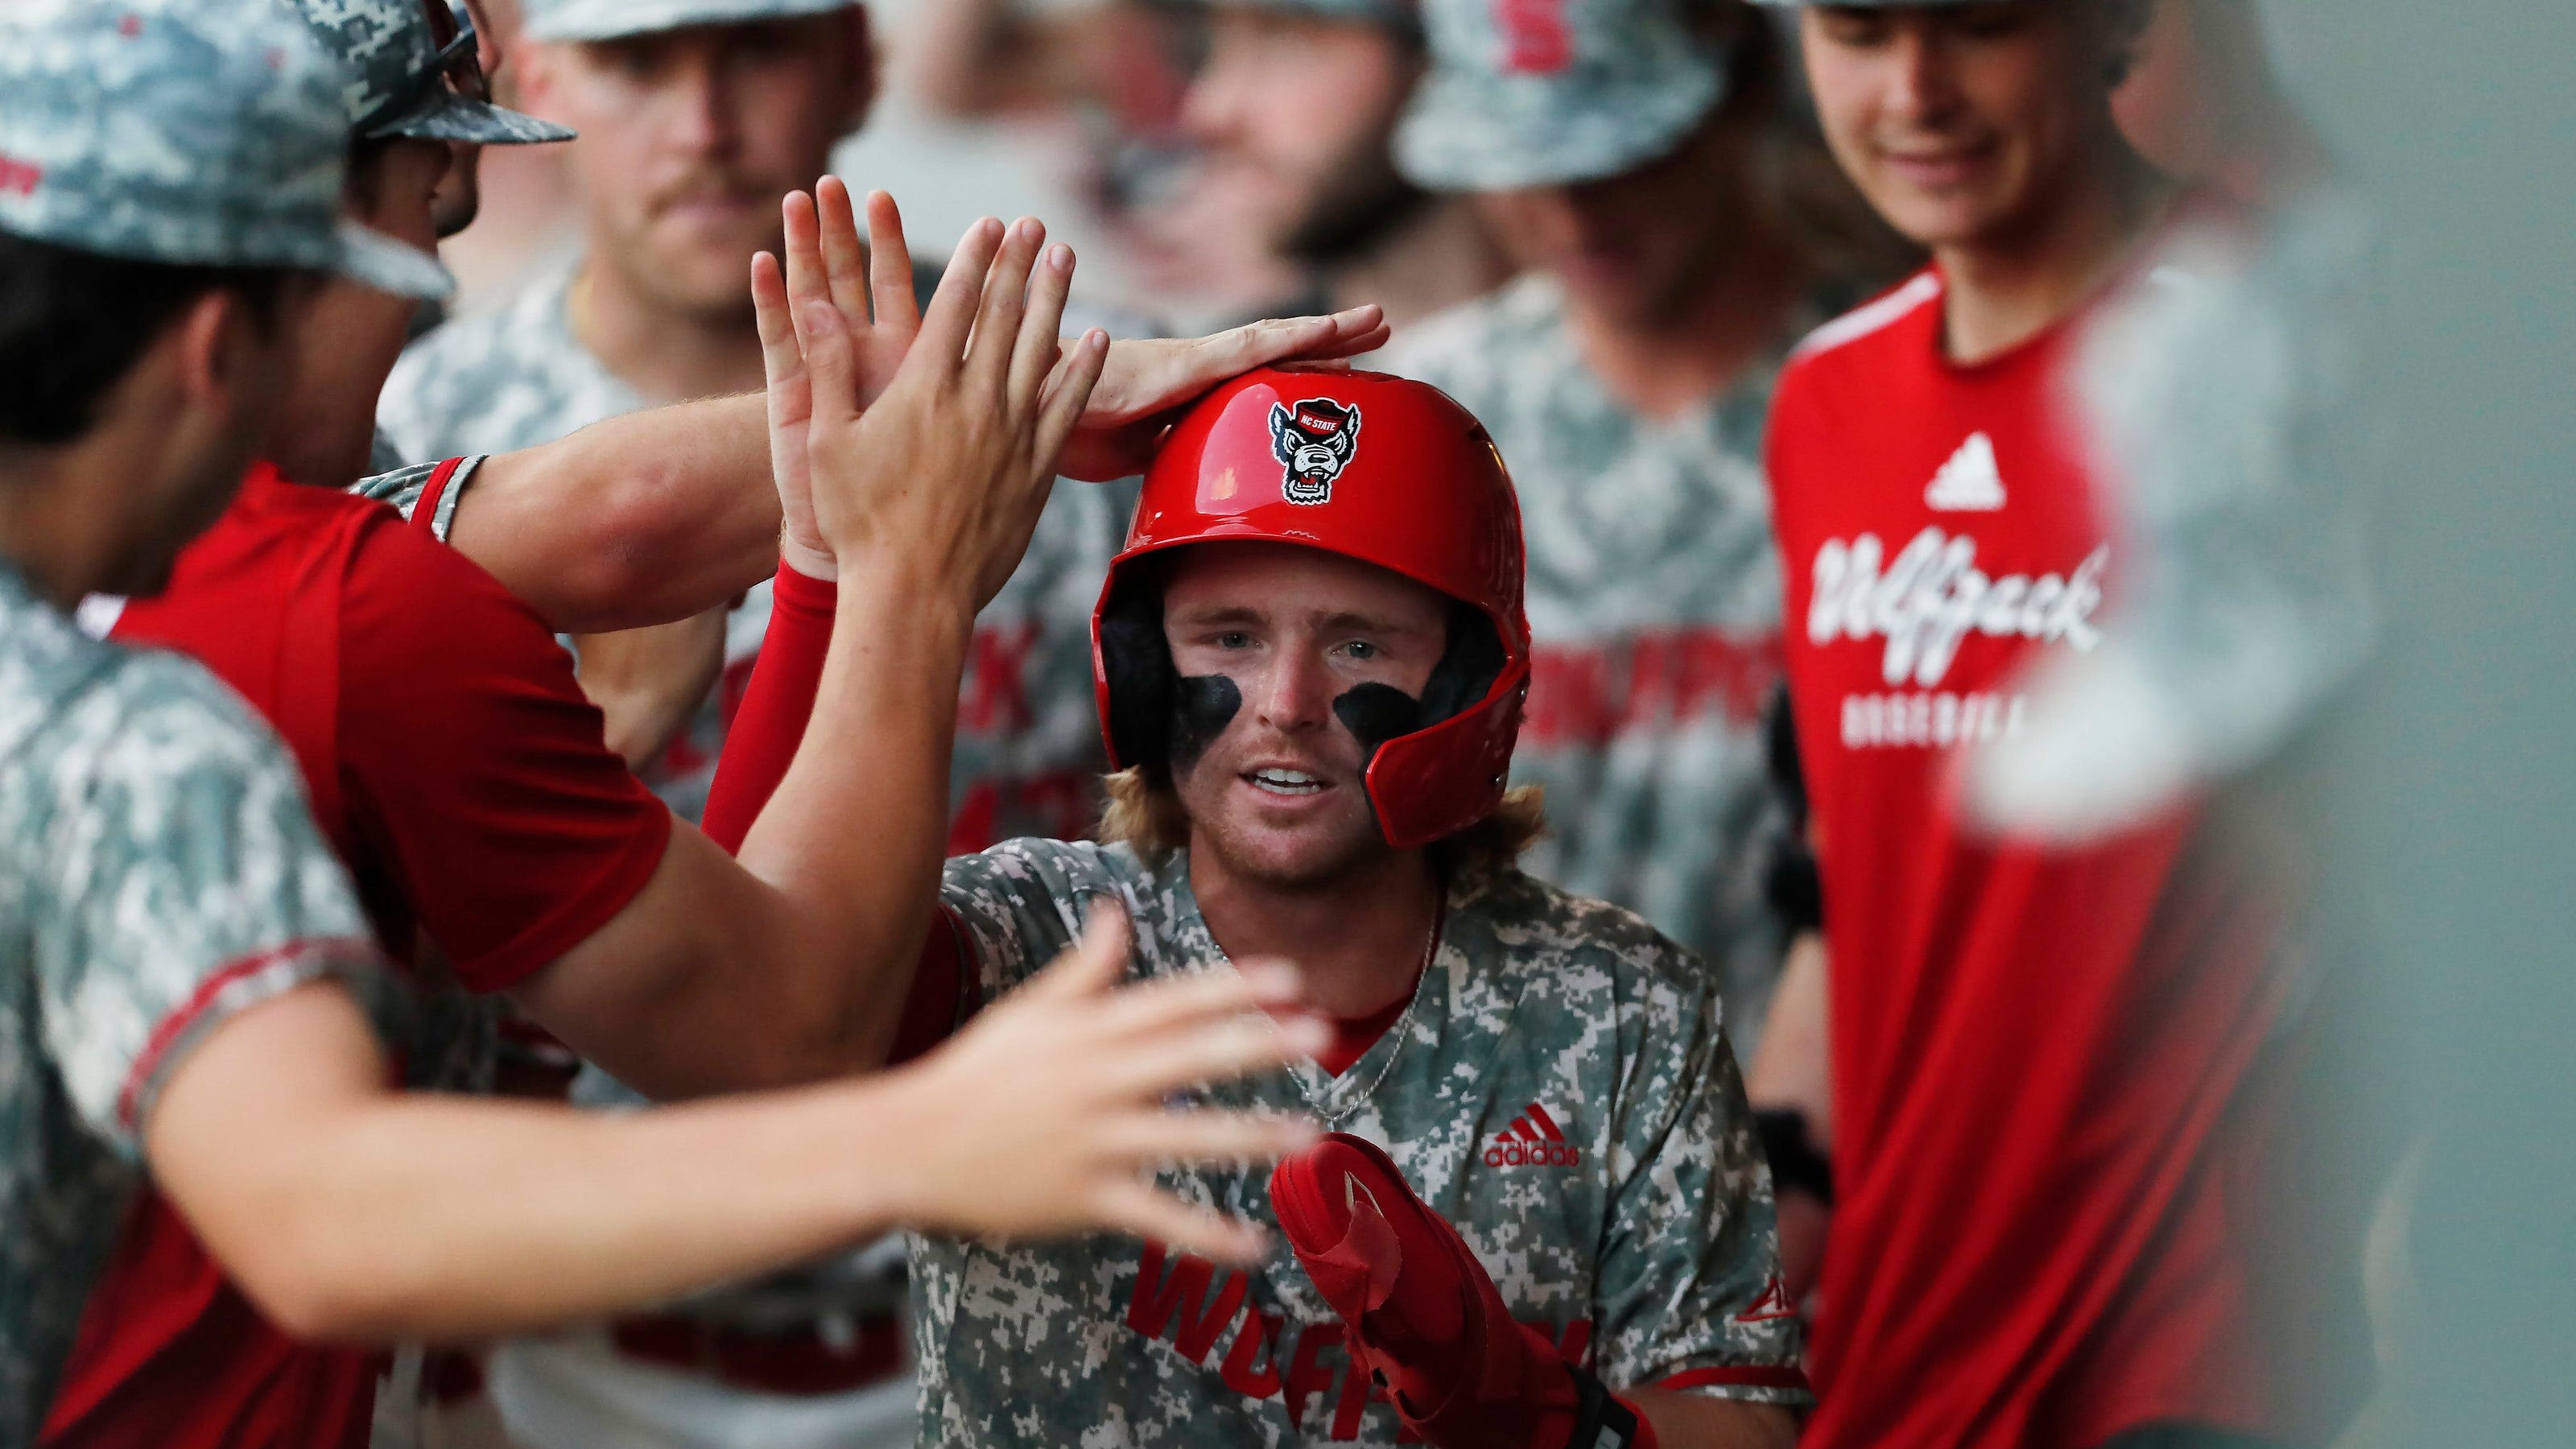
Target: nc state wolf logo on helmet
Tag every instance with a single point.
(1314, 443)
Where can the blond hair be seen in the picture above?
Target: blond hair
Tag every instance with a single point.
(1145, 813)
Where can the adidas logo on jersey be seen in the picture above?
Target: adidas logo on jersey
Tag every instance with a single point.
(1533, 1140)
(1970, 482)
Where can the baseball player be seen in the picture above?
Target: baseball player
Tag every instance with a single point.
(1311, 659)
(189, 988)
(1294, 109)
(2057, 1068)
(1629, 155)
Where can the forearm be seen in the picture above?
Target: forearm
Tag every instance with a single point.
(853, 835)
(352, 1213)
(638, 520)
(425, 1217)
(1692, 1421)
(648, 683)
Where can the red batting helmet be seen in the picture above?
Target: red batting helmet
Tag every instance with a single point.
(1376, 468)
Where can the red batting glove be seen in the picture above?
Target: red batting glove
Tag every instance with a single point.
(1424, 1316)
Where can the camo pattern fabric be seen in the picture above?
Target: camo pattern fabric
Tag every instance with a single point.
(163, 131)
(159, 873)
(402, 488)
(1654, 608)
(1521, 95)
(1563, 1094)
(1028, 731)
(388, 48)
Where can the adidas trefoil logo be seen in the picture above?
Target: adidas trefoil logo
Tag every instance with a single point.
(1969, 482)
(1534, 1140)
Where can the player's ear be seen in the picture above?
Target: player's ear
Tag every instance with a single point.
(220, 350)
(536, 77)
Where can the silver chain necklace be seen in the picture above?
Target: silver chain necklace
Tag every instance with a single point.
(1402, 1030)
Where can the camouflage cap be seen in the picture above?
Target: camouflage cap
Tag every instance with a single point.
(609, 19)
(1403, 16)
(184, 133)
(392, 56)
(1547, 92)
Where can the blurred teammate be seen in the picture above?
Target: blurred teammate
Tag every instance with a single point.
(1626, 154)
(189, 987)
(1312, 655)
(2062, 1150)
(1295, 107)
(695, 121)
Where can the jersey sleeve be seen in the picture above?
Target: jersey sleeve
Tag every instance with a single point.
(425, 494)
(175, 879)
(1689, 1287)
(1019, 905)
(476, 770)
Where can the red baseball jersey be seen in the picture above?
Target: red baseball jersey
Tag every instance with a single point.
(2041, 1054)
(461, 774)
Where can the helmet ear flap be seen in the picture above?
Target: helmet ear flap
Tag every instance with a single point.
(1136, 664)
(1467, 669)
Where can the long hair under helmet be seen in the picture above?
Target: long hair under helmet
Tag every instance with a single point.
(1380, 469)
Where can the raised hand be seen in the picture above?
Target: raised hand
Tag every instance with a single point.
(940, 483)
(1146, 381)
(1054, 1099)
(872, 288)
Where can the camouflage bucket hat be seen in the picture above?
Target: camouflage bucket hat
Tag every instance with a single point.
(610, 19)
(1548, 92)
(183, 133)
(399, 68)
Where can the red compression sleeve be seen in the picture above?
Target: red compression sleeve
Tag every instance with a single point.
(775, 705)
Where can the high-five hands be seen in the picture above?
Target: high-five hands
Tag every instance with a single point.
(1052, 1101)
(1141, 383)
(941, 481)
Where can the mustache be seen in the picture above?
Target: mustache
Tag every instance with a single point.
(704, 179)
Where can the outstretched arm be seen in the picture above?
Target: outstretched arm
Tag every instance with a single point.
(351, 1212)
(654, 516)
(792, 962)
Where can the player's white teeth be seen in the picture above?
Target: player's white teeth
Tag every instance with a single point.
(1287, 782)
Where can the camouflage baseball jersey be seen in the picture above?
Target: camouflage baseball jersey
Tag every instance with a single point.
(1563, 1093)
(1654, 609)
(158, 875)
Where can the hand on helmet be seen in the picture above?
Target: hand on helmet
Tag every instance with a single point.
(1147, 381)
